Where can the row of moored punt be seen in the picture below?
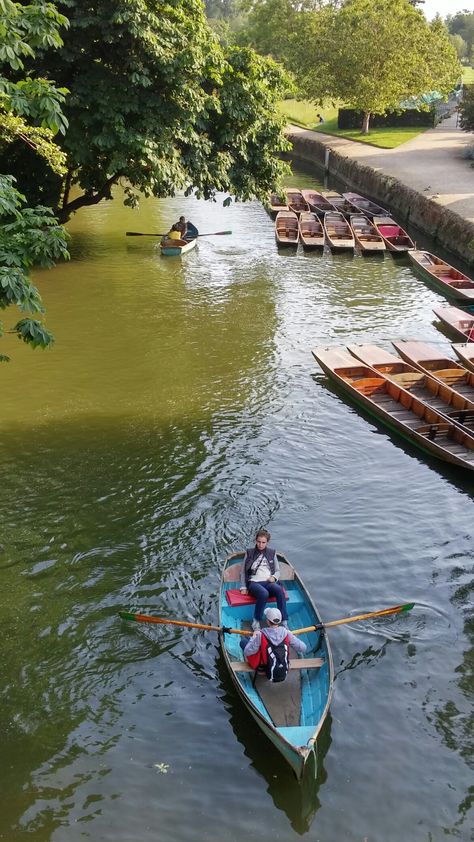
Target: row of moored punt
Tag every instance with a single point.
(423, 395)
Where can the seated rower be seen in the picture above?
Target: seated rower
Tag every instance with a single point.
(182, 226)
(259, 577)
(174, 234)
(268, 650)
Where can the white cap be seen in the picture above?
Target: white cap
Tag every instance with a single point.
(273, 615)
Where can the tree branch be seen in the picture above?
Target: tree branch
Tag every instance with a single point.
(88, 199)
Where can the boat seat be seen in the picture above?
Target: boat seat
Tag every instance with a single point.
(234, 597)
(462, 415)
(430, 431)
(295, 664)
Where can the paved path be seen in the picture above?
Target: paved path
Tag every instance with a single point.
(431, 163)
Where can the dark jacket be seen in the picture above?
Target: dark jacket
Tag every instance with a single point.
(249, 559)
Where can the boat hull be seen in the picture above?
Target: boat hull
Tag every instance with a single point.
(465, 353)
(290, 715)
(442, 276)
(178, 250)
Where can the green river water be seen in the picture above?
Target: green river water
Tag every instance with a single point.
(179, 410)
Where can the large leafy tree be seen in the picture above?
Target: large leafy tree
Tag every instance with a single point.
(466, 109)
(371, 54)
(30, 116)
(157, 105)
(462, 24)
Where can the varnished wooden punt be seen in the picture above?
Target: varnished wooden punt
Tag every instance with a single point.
(457, 321)
(316, 201)
(443, 276)
(330, 196)
(338, 231)
(286, 228)
(365, 206)
(292, 713)
(276, 204)
(428, 359)
(466, 354)
(366, 235)
(311, 231)
(296, 203)
(396, 239)
(341, 204)
(431, 391)
(399, 410)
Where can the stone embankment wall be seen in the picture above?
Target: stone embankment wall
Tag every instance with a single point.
(446, 227)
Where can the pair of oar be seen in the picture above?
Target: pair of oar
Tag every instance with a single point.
(139, 234)
(145, 618)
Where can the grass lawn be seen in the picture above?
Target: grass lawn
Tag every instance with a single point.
(304, 114)
(468, 75)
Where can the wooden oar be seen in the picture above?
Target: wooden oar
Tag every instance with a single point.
(397, 609)
(145, 618)
(139, 234)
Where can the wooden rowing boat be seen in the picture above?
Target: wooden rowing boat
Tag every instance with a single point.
(292, 713)
(341, 204)
(365, 206)
(428, 359)
(466, 354)
(338, 231)
(176, 248)
(286, 228)
(276, 204)
(311, 231)
(316, 201)
(428, 389)
(443, 276)
(366, 235)
(396, 239)
(296, 203)
(397, 409)
(457, 321)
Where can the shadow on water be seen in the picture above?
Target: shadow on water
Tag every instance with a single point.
(298, 800)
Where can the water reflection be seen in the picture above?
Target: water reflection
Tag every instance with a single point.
(299, 801)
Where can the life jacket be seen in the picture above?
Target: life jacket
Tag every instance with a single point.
(272, 659)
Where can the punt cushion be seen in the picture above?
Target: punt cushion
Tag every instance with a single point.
(234, 597)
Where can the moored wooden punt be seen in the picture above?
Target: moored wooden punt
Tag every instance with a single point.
(431, 391)
(342, 205)
(397, 409)
(466, 354)
(338, 231)
(443, 276)
(428, 359)
(366, 206)
(276, 204)
(396, 239)
(316, 201)
(366, 235)
(286, 228)
(175, 248)
(295, 200)
(291, 714)
(311, 231)
(330, 196)
(457, 321)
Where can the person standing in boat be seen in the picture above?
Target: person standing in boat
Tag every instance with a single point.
(259, 577)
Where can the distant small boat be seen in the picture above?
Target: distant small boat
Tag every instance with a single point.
(338, 231)
(395, 407)
(175, 248)
(427, 388)
(366, 235)
(295, 200)
(447, 279)
(466, 354)
(458, 321)
(396, 239)
(311, 231)
(365, 206)
(316, 201)
(276, 204)
(429, 359)
(286, 228)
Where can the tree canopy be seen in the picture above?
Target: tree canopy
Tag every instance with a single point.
(372, 54)
(30, 115)
(158, 105)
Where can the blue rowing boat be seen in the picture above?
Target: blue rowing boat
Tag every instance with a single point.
(292, 713)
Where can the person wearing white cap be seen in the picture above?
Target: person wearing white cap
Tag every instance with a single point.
(275, 633)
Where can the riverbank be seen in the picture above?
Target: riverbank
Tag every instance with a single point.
(426, 182)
